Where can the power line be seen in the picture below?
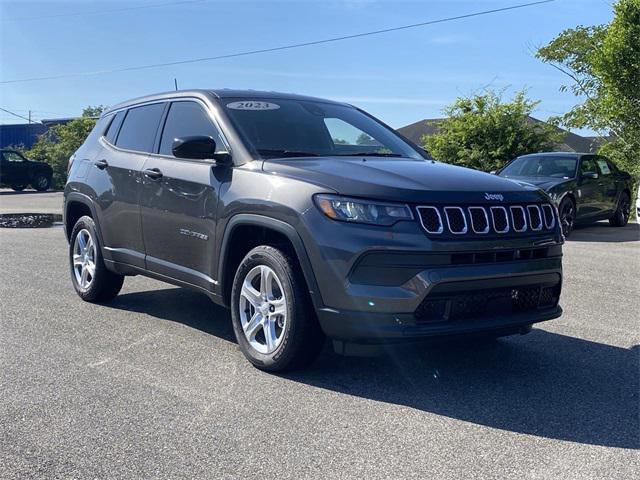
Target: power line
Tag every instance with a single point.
(101, 12)
(16, 115)
(275, 49)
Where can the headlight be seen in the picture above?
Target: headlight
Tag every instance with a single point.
(362, 211)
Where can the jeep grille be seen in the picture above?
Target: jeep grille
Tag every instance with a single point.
(482, 220)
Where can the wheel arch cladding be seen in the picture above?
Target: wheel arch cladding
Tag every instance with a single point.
(78, 205)
(246, 231)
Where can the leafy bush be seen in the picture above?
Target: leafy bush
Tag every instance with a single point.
(61, 141)
(484, 133)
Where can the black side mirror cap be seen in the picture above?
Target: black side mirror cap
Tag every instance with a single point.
(198, 147)
(591, 175)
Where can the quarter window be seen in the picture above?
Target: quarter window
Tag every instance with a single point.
(187, 119)
(139, 128)
(112, 131)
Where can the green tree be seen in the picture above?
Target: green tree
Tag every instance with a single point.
(61, 141)
(483, 132)
(602, 64)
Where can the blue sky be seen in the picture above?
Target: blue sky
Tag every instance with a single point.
(401, 77)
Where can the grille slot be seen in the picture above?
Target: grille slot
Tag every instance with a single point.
(430, 219)
(518, 218)
(549, 217)
(479, 220)
(456, 221)
(500, 219)
(535, 218)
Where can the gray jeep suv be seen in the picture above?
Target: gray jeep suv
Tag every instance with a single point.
(308, 219)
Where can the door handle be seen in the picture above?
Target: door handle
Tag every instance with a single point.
(153, 173)
(101, 164)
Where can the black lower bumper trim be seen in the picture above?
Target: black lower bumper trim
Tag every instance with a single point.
(363, 327)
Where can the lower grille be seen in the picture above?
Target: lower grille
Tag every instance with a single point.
(499, 301)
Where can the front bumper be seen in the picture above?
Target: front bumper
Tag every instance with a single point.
(373, 283)
(453, 308)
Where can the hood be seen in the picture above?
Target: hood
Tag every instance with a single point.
(400, 179)
(545, 183)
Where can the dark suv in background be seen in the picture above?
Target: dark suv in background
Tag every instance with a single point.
(307, 218)
(18, 172)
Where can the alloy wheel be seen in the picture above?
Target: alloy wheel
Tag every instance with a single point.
(625, 209)
(567, 218)
(84, 259)
(263, 309)
(42, 181)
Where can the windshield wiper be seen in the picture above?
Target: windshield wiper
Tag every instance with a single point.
(367, 154)
(285, 153)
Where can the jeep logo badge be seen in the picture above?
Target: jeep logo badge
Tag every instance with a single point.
(493, 196)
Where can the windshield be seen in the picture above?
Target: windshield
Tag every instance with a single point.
(277, 128)
(541, 166)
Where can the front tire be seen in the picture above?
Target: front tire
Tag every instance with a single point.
(41, 182)
(91, 279)
(621, 216)
(567, 212)
(273, 318)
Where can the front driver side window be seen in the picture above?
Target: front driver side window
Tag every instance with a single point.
(186, 119)
(588, 165)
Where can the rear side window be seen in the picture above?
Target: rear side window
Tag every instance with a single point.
(603, 165)
(187, 119)
(112, 132)
(139, 128)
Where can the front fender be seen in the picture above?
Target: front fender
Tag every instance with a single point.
(279, 226)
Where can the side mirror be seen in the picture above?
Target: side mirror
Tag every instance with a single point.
(591, 175)
(198, 147)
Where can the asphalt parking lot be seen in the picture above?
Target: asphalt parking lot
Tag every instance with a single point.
(154, 386)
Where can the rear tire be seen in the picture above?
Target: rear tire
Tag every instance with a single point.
(18, 188)
(41, 182)
(91, 279)
(269, 297)
(621, 216)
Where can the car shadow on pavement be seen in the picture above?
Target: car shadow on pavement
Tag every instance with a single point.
(179, 305)
(603, 232)
(544, 384)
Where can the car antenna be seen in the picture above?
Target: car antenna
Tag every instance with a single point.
(175, 83)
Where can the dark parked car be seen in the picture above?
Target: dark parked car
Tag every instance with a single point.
(585, 187)
(307, 218)
(18, 172)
